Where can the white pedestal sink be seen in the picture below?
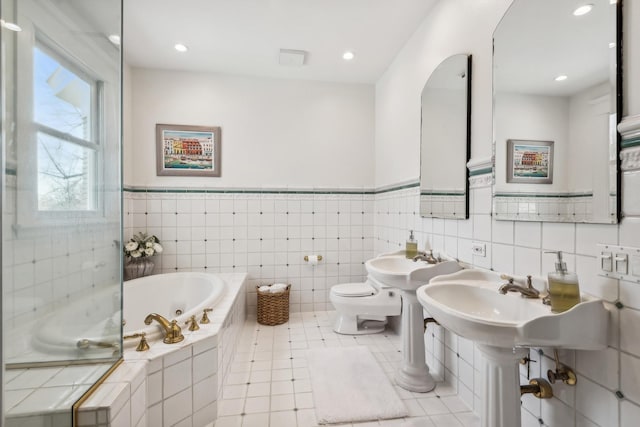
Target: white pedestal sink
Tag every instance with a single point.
(468, 303)
(407, 275)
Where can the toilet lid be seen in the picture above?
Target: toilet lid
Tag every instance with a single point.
(353, 290)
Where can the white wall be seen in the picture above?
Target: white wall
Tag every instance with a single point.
(453, 27)
(444, 135)
(274, 132)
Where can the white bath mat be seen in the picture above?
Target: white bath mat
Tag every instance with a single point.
(348, 385)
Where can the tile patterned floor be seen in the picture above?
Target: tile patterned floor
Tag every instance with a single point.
(269, 380)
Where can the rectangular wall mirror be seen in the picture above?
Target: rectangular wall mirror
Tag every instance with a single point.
(445, 140)
(557, 103)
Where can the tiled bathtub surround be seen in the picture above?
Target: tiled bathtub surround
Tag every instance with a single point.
(173, 384)
(266, 233)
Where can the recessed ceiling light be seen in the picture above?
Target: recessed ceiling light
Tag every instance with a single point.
(583, 10)
(115, 39)
(180, 47)
(561, 77)
(348, 55)
(10, 26)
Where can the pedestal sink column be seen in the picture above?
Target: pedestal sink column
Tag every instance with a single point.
(501, 404)
(413, 374)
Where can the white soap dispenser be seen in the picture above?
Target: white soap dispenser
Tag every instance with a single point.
(564, 291)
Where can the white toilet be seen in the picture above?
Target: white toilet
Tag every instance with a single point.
(363, 307)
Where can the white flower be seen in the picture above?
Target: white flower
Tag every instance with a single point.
(131, 246)
(136, 254)
(149, 251)
(157, 247)
(149, 244)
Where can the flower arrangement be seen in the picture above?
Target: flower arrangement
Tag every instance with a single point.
(142, 245)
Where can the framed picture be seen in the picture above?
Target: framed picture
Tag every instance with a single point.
(187, 150)
(529, 162)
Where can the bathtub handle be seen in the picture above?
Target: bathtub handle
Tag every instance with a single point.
(143, 345)
(205, 317)
(193, 323)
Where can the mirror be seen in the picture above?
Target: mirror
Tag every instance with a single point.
(557, 102)
(445, 140)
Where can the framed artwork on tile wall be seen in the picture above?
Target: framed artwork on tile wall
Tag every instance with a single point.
(183, 150)
(529, 162)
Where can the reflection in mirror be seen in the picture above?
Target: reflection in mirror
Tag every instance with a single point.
(61, 265)
(556, 107)
(445, 140)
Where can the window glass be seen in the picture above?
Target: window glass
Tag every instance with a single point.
(65, 127)
(65, 172)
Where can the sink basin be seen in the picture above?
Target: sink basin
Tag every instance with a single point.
(397, 271)
(402, 273)
(503, 326)
(469, 304)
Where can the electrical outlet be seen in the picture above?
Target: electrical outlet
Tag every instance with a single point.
(479, 249)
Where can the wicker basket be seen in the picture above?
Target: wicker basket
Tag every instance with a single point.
(273, 309)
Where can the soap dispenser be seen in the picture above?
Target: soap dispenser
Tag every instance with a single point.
(411, 249)
(564, 291)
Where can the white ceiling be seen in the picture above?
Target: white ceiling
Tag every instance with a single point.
(539, 40)
(245, 36)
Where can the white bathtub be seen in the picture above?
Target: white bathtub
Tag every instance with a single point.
(167, 295)
(96, 319)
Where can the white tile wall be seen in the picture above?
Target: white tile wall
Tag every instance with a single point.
(518, 248)
(264, 234)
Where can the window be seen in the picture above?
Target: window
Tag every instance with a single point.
(66, 125)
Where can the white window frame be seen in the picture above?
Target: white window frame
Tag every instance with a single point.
(95, 132)
(28, 213)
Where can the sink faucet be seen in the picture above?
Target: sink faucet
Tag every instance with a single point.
(527, 292)
(172, 332)
(428, 257)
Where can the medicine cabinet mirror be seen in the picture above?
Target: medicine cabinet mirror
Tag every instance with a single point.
(556, 105)
(445, 140)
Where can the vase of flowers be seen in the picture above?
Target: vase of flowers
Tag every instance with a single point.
(138, 252)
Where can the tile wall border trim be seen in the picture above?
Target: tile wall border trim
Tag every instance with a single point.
(386, 189)
(543, 195)
(442, 193)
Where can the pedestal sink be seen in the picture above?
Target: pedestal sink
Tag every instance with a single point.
(407, 275)
(504, 326)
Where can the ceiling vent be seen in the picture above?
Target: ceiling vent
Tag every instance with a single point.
(292, 58)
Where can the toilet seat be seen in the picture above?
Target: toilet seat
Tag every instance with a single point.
(353, 290)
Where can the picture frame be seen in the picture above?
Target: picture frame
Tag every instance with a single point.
(529, 161)
(184, 150)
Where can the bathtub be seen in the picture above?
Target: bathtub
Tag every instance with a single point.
(172, 295)
(94, 317)
(187, 376)
(92, 324)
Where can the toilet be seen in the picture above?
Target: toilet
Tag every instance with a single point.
(363, 307)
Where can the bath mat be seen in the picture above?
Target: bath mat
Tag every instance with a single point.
(348, 385)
